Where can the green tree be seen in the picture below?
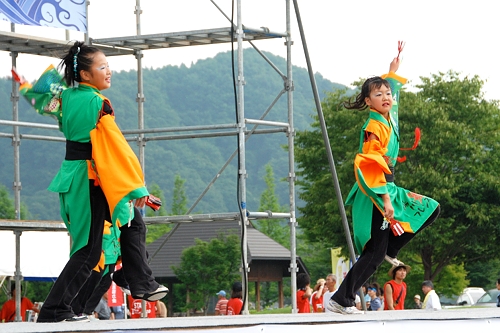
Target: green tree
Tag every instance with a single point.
(179, 201)
(7, 209)
(455, 164)
(274, 228)
(207, 267)
(155, 231)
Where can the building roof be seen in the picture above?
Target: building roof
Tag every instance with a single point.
(260, 246)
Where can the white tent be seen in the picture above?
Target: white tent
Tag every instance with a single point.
(43, 254)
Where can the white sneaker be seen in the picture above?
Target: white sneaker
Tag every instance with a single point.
(352, 310)
(76, 319)
(155, 295)
(337, 308)
(394, 261)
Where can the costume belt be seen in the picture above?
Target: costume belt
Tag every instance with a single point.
(390, 177)
(78, 150)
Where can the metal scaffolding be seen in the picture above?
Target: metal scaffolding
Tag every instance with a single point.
(137, 45)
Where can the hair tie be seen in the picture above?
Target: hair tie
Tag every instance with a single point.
(75, 62)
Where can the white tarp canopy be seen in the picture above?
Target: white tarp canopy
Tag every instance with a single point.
(43, 254)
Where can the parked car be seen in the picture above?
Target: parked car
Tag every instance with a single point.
(470, 295)
(489, 299)
(448, 301)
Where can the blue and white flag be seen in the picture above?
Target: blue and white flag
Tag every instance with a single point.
(66, 14)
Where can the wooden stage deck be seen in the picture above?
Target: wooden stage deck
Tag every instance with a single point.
(467, 320)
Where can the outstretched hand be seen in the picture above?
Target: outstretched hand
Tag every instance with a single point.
(394, 66)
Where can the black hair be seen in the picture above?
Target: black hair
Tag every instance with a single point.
(237, 290)
(13, 287)
(303, 280)
(397, 269)
(79, 57)
(370, 84)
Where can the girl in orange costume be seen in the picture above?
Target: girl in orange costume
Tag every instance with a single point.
(385, 217)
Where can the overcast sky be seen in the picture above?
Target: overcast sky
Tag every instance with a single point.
(347, 39)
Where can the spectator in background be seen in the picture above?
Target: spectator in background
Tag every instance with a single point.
(498, 296)
(304, 291)
(317, 296)
(8, 312)
(117, 312)
(373, 292)
(221, 306)
(235, 303)
(330, 283)
(316, 299)
(161, 309)
(418, 303)
(365, 293)
(431, 300)
(395, 289)
(103, 311)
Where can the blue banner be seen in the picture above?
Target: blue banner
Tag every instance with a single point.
(65, 14)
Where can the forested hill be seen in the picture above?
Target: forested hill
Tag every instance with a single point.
(178, 96)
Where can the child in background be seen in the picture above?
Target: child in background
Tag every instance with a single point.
(235, 303)
(373, 291)
(304, 291)
(317, 296)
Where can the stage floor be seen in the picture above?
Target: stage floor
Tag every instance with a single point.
(467, 320)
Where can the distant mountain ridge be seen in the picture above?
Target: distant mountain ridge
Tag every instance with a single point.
(178, 96)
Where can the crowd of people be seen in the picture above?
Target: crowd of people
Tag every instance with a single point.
(391, 297)
(102, 311)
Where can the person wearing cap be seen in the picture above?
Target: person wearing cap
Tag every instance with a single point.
(418, 303)
(221, 306)
(235, 303)
(317, 296)
(395, 289)
(8, 311)
(431, 300)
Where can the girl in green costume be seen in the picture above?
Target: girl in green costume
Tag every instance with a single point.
(88, 181)
(385, 217)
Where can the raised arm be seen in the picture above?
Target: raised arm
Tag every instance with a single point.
(394, 66)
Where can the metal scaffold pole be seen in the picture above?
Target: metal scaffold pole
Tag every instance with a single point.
(140, 90)
(291, 161)
(326, 140)
(242, 173)
(16, 142)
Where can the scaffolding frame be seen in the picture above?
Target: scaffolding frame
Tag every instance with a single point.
(135, 45)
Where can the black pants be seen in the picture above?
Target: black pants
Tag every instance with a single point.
(135, 271)
(381, 243)
(91, 293)
(57, 306)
